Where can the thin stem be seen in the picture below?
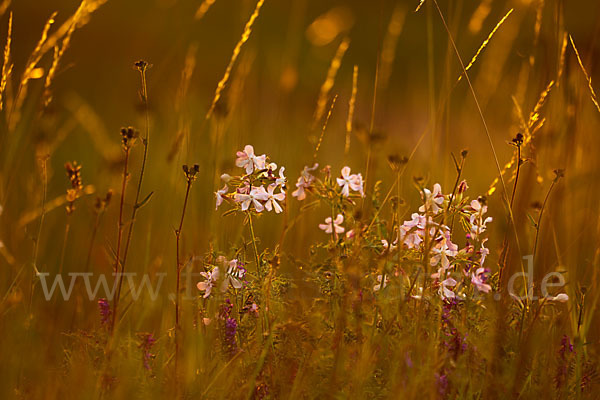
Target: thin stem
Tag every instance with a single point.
(539, 221)
(64, 246)
(177, 292)
(39, 234)
(257, 258)
(136, 204)
(119, 240)
(92, 240)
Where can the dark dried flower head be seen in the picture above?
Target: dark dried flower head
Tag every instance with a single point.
(395, 161)
(518, 140)
(129, 136)
(105, 311)
(191, 172)
(102, 203)
(560, 173)
(141, 65)
(74, 174)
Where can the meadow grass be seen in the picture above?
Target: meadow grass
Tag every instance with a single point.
(427, 228)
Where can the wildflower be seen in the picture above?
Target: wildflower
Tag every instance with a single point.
(348, 182)
(331, 225)
(211, 281)
(444, 249)
(411, 232)
(446, 293)
(273, 198)
(248, 160)
(105, 311)
(282, 179)
(483, 251)
(147, 341)
(235, 273)
(378, 286)
(479, 279)
(562, 298)
(304, 182)
(477, 220)
(432, 201)
(219, 195)
(255, 197)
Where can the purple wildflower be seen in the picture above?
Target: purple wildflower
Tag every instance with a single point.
(147, 341)
(105, 311)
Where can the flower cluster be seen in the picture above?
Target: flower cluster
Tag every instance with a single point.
(426, 231)
(234, 275)
(343, 185)
(249, 191)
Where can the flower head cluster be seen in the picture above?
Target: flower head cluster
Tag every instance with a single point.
(259, 189)
(146, 342)
(305, 181)
(234, 275)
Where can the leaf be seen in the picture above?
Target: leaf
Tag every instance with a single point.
(532, 221)
(143, 202)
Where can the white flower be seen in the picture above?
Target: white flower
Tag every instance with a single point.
(235, 273)
(273, 198)
(478, 279)
(211, 281)
(562, 297)
(219, 195)
(255, 197)
(248, 160)
(329, 225)
(433, 201)
(477, 221)
(282, 179)
(446, 293)
(348, 182)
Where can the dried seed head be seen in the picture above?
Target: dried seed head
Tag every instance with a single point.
(518, 140)
(191, 172)
(74, 174)
(129, 136)
(141, 65)
(395, 162)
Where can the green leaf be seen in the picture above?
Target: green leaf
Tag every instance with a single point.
(143, 202)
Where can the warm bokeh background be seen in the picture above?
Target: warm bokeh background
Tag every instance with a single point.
(269, 102)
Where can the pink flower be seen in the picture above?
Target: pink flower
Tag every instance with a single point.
(479, 278)
(347, 182)
(273, 198)
(248, 160)
(433, 201)
(255, 197)
(305, 180)
(219, 195)
(330, 225)
(413, 231)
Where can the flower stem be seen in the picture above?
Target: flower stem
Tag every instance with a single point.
(177, 292)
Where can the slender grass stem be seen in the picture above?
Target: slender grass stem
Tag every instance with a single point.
(119, 240)
(142, 66)
(178, 268)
